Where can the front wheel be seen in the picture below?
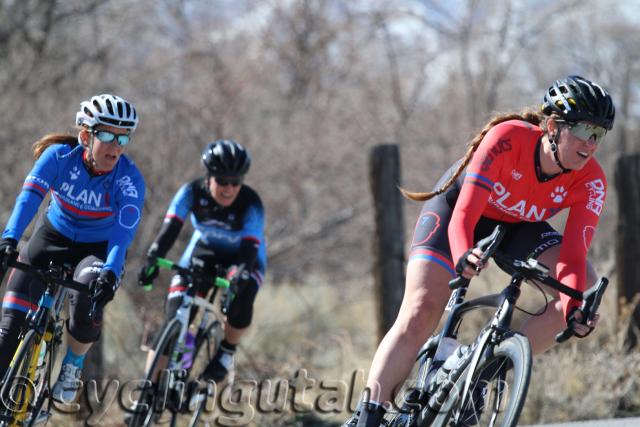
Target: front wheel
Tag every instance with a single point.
(207, 343)
(145, 410)
(497, 390)
(19, 388)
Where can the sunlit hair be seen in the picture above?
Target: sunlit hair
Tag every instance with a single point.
(526, 115)
(50, 139)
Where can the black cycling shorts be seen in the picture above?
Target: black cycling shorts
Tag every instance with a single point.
(23, 291)
(241, 310)
(431, 237)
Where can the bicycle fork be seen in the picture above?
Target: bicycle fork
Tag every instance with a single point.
(444, 390)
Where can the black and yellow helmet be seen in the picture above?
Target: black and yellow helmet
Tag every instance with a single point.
(577, 99)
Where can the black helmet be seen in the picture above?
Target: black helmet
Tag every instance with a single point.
(225, 157)
(577, 99)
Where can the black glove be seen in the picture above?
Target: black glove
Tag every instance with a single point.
(464, 262)
(104, 287)
(8, 252)
(148, 273)
(235, 275)
(572, 320)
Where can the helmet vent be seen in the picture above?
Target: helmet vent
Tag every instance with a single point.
(109, 106)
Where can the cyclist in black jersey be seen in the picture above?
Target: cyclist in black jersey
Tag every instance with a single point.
(228, 219)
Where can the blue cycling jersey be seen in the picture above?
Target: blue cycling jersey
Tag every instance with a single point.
(83, 207)
(221, 228)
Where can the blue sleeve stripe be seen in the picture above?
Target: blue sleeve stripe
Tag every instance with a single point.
(479, 184)
(436, 260)
(480, 178)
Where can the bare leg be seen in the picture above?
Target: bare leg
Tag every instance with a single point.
(542, 330)
(162, 363)
(233, 335)
(77, 347)
(425, 297)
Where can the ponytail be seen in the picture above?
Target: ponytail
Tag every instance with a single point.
(526, 115)
(48, 140)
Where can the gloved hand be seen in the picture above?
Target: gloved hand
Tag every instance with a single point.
(580, 325)
(8, 252)
(104, 287)
(148, 273)
(470, 263)
(235, 275)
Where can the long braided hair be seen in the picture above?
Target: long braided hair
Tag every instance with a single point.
(528, 115)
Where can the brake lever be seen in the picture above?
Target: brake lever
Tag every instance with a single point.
(94, 304)
(590, 303)
(488, 245)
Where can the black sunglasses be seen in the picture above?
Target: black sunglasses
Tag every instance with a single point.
(224, 181)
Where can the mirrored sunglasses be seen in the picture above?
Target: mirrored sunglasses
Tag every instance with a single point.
(224, 181)
(108, 137)
(585, 131)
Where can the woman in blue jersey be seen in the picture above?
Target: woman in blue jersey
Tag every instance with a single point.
(95, 208)
(228, 219)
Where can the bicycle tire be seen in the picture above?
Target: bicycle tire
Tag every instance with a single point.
(45, 372)
(505, 373)
(209, 341)
(145, 417)
(19, 368)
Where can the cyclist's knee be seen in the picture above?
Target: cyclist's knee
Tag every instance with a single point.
(88, 269)
(415, 324)
(241, 310)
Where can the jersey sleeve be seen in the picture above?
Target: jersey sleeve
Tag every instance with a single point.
(36, 185)
(482, 172)
(174, 219)
(130, 192)
(181, 204)
(580, 228)
(252, 234)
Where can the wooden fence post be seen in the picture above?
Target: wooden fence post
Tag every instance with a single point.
(389, 239)
(627, 180)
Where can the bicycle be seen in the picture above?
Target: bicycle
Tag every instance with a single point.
(486, 382)
(168, 390)
(25, 386)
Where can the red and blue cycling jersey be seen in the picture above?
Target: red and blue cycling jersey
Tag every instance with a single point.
(84, 207)
(501, 183)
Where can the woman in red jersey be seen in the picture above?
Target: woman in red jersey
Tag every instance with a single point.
(520, 170)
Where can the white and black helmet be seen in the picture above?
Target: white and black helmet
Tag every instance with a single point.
(109, 110)
(225, 157)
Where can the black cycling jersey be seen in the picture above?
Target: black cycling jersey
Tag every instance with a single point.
(235, 233)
